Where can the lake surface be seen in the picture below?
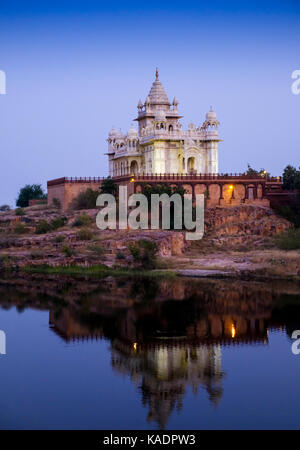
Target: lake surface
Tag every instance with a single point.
(148, 354)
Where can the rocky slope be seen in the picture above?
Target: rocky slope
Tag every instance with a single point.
(225, 228)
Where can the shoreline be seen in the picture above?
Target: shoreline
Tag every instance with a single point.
(100, 271)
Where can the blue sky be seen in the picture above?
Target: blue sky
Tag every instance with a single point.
(76, 68)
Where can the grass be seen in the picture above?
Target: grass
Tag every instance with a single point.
(82, 220)
(20, 228)
(19, 212)
(68, 251)
(85, 235)
(98, 249)
(59, 238)
(95, 270)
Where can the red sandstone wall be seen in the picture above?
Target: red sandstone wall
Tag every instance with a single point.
(56, 191)
(66, 191)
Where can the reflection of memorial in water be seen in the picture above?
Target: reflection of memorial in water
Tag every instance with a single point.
(163, 373)
(167, 335)
(168, 346)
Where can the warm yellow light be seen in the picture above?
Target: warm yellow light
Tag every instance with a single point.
(135, 346)
(132, 180)
(232, 331)
(231, 187)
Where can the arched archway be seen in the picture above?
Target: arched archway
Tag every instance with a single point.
(134, 167)
(191, 164)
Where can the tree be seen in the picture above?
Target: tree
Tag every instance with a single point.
(4, 208)
(251, 171)
(162, 188)
(30, 192)
(85, 199)
(291, 178)
(108, 186)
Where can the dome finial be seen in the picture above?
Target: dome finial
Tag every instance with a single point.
(156, 74)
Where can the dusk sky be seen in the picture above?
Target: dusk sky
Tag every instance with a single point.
(76, 68)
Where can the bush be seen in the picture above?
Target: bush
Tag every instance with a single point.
(20, 228)
(4, 208)
(42, 227)
(30, 192)
(120, 255)
(19, 212)
(59, 238)
(108, 186)
(85, 200)
(82, 220)
(58, 222)
(289, 240)
(85, 234)
(36, 254)
(68, 251)
(144, 253)
(97, 249)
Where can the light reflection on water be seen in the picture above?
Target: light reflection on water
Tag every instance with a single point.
(168, 338)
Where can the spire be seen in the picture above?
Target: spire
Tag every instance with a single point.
(157, 94)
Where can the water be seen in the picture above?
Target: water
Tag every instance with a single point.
(148, 354)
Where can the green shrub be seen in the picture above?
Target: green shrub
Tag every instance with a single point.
(82, 220)
(42, 227)
(68, 251)
(98, 249)
(20, 228)
(120, 255)
(85, 234)
(289, 240)
(4, 208)
(30, 192)
(144, 253)
(58, 222)
(36, 254)
(85, 200)
(19, 212)
(59, 238)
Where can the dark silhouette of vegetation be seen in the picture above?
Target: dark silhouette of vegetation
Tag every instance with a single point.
(291, 181)
(251, 171)
(289, 240)
(4, 208)
(162, 188)
(291, 178)
(68, 251)
(85, 234)
(144, 253)
(44, 227)
(30, 192)
(20, 228)
(82, 220)
(19, 212)
(108, 186)
(85, 199)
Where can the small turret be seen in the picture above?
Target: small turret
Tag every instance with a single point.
(140, 105)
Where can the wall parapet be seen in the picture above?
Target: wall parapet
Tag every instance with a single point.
(64, 180)
(202, 177)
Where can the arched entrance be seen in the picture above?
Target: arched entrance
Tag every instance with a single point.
(191, 164)
(134, 168)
